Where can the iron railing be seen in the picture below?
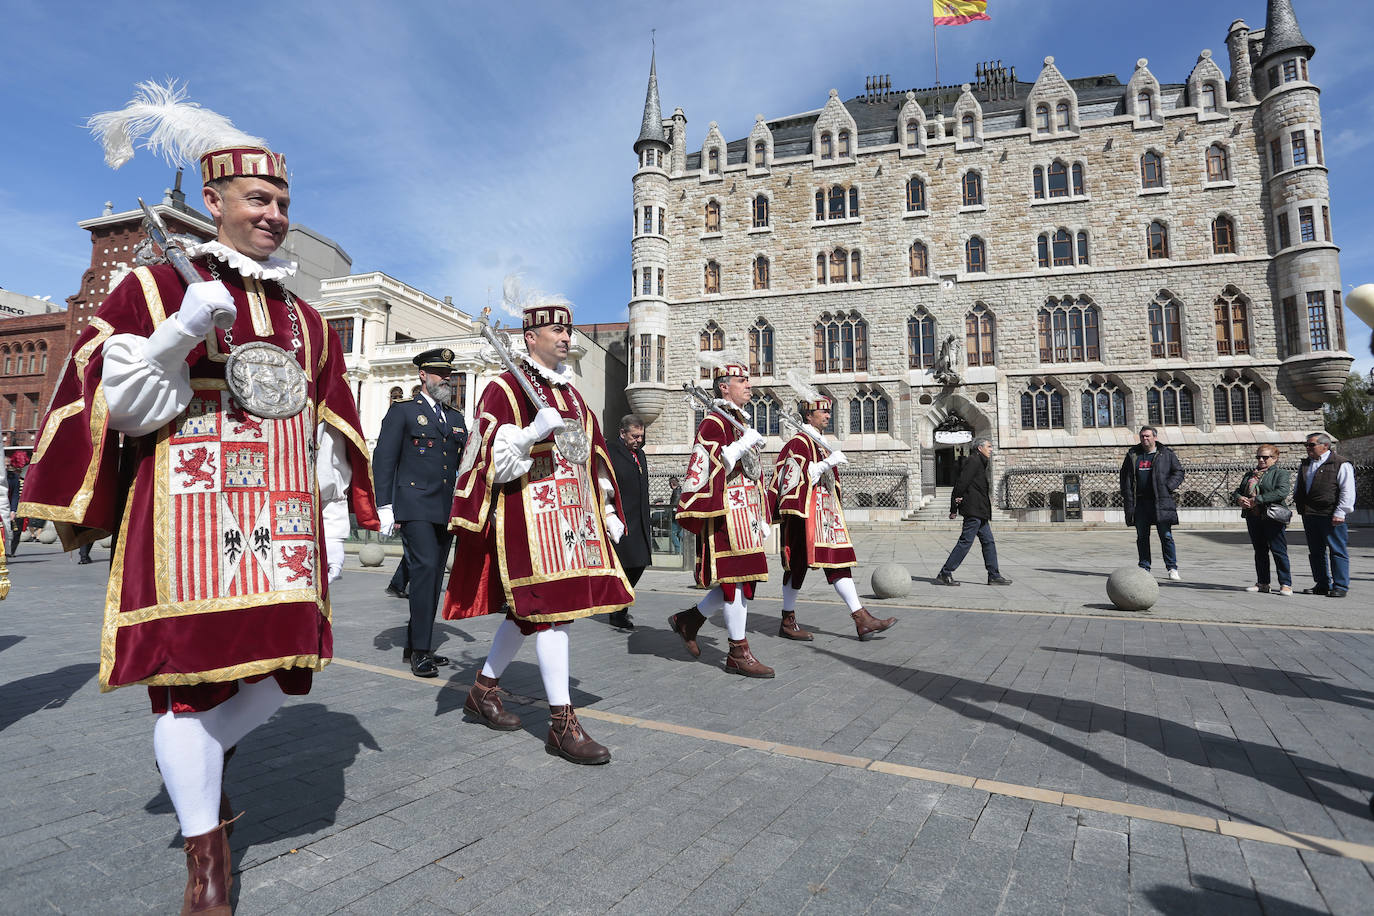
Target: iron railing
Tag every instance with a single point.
(858, 489)
(1204, 486)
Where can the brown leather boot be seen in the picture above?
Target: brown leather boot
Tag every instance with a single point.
(686, 624)
(788, 629)
(568, 740)
(484, 702)
(210, 875)
(742, 661)
(865, 624)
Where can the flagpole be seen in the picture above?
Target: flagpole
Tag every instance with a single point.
(934, 37)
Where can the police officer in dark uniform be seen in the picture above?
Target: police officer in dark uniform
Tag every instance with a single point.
(415, 467)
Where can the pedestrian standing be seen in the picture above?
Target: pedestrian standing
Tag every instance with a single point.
(972, 498)
(1261, 495)
(631, 467)
(1150, 476)
(1325, 495)
(415, 466)
(674, 529)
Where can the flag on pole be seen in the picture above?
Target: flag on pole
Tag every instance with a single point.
(958, 12)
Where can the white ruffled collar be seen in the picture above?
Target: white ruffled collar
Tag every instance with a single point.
(271, 269)
(729, 406)
(812, 430)
(561, 376)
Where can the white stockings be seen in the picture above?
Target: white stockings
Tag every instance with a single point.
(551, 649)
(190, 750)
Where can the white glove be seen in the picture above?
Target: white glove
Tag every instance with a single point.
(204, 306)
(836, 458)
(615, 528)
(334, 554)
(546, 421)
(751, 438)
(388, 521)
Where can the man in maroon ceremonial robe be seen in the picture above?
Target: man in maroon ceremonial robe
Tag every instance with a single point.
(229, 523)
(805, 498)
(534, 526)
(723, 505)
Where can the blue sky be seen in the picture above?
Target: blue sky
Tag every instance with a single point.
(450, 143)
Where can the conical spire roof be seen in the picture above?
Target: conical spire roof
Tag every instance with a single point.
(652, 128)
(1281, 32)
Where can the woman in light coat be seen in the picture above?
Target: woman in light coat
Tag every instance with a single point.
(1264, 486)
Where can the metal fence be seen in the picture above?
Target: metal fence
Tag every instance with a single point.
(1204, 486)
(858, 489)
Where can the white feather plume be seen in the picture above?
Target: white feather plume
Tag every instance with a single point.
(169, 126)
(719, 359)
(516, 297)
(805, 391)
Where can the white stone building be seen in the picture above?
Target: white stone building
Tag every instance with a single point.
(1051, 264)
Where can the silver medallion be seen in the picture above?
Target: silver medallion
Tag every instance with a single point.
(749, 463)
(265, 380)
(572, 444)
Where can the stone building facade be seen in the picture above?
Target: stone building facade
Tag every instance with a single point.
(1050, 264)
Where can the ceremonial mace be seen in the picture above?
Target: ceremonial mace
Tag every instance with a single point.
(698, 398)
(176, 256)
(571, 440)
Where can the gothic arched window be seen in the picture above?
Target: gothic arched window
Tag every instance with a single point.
(841, 343)
(979, 329)
(920, 337)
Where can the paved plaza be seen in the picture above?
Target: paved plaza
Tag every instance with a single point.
(1015, 750)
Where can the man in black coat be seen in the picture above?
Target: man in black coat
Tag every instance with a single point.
(1150, 475)
(415, 467)
(972, 499)
(635, 549)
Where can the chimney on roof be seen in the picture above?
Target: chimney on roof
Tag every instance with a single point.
(995, 81)
(877, 88)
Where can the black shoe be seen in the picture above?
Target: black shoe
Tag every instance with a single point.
(422, 665)
(998, 580)
(1336, 593)
(1314, 590)
(84, 560)
(395, 592)
(621, 620)
(440, 660)
(945, 579)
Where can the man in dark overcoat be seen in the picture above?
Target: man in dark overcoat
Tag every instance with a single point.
(1150, 476)
(635, 549)
(415, 466)
(972, 499)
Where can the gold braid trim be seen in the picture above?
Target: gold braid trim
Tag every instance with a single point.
(221, 675)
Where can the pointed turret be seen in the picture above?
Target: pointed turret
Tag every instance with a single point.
(652, 126)
(1281, 32)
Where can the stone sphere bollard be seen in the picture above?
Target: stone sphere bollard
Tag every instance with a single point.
(48, 535)
(891, 580)
(1132, 589)
(106, 543)
(371, 554)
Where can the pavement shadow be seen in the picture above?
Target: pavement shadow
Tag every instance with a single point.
(8, 641)
(287, 776)
(1207, 899)
(1276, 681)
(49, 690)
(395, 637)
(1172, 740)
(1096, 574)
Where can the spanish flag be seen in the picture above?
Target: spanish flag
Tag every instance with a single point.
(958, 12)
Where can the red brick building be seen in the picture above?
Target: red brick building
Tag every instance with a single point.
(34, 348)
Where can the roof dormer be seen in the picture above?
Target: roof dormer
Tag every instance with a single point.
(834, 137)
(911, 127)
(968, 120)
(760, 150)
(1051, 105)
(1207, 88)
(713, 155)
(1143, 102)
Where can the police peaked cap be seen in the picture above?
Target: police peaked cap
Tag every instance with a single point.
(438, 358)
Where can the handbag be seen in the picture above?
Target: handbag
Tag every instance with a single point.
(1279, 512)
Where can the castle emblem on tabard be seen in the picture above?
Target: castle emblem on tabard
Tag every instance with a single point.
(265, 380)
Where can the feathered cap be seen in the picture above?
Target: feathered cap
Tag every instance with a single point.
(534, 308)
(810, 398)
(183, 132)
(723, 364)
